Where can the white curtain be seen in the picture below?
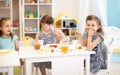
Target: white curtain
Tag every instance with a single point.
(92, 7)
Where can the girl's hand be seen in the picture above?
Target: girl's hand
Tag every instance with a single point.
(59, 34)
(77, 34)
(91, 32)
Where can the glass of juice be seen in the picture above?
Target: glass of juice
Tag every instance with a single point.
(64, 49)
(37, 45)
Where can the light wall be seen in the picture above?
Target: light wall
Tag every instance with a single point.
(70, 6)
(113, 12)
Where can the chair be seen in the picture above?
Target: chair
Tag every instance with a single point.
(37, 65)
(4, 70)
(29, 43)
(109, 41)
(107, 70)
(35, 68)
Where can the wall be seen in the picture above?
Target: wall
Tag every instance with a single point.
(70, 6)
(113, 13)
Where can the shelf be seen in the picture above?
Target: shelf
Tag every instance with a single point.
(15, 28)
(72, 36)
(45, 3)
(30, 32)
(30, 3)
(4, 7)
(2, 0)
(31, 25)
(31, 18)
(38, 4)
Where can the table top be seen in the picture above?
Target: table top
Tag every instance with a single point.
(9, 59)
(30, 52)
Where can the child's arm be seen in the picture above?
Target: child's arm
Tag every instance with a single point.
(16, 45)
(92, 44)
(82, 41)
(59, 34)
(37, 36)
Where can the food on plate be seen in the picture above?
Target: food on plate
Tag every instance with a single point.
(78, 47)
(52, 50)
(47, 50)
(53, 45)
(5, 51)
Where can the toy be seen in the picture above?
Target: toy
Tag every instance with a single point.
(41, 1)
(33, 1)
(58, 24)
(35, 29)
(15, 23)
(35, 14)
(27, 40)
(27, 12)
(41, 15)
(28, 29)
(28, 1)
(116, 51)
(30, 15)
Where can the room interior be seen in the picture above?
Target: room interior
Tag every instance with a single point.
(76, 12)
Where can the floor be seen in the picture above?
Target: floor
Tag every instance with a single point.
(114, 69)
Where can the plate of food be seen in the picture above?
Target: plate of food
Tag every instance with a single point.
(5, 51)
(80, 47)
(47, 50)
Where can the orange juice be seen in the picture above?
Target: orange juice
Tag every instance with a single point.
(64, 49)
(37, 46)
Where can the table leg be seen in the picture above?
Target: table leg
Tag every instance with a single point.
(81, 66)
(10, 71)
(28, 67)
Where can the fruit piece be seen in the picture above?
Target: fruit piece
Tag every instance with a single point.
(52, 50)
(78, 47)
(90, 28)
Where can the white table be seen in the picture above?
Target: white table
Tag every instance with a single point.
(8, 61)
(71, 63)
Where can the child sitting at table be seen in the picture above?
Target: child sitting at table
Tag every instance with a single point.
(7, 39)
(49, 36)
(93, 40)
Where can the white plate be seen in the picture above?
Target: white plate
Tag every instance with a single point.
(5, 51)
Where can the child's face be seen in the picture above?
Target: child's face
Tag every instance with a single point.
(48, 27)
(92, 24)
(7, 27)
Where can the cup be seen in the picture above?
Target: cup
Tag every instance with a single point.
(74, 42)
(37, 46)
(64, 49)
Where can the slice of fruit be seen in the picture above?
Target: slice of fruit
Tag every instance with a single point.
(90, 28)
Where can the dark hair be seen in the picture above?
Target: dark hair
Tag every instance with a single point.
(95, 18)
(47, 20)
(2, 21)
